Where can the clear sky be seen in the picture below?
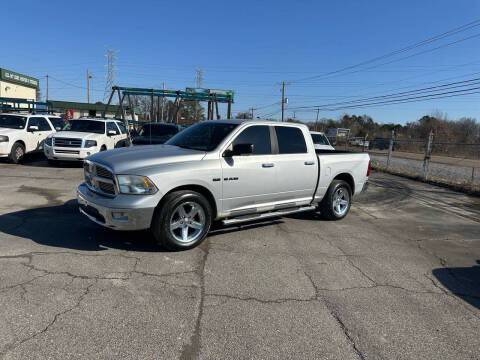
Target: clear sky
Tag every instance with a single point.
(249, 47)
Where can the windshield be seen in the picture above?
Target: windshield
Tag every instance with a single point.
(158, 130)
(58, 123)
(12, 122)
(204, 136)
(89, 126)
(320, 139)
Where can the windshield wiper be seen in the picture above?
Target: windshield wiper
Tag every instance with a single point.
(188, 147)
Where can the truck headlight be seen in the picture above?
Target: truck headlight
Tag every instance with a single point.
(3, 138)
(90, 143)
(134, 184)
(48, 141)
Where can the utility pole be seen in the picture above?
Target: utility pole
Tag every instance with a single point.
(46, 99)
(198, 84)
(316, 121)
(251, 113)
(284, 101)
(163, 98)
(88, 86)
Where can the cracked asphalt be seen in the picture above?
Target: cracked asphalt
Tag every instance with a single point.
(399, 278)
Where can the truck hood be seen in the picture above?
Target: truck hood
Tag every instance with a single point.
(130, 159)
(78, 135)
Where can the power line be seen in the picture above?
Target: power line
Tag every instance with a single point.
(405, 93)
(454, 93)
(405, 49)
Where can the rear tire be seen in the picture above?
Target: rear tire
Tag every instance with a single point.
(182, 220)
(17, 153)
(337, 201)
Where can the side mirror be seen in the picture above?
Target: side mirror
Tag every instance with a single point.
(111, 132)
(33, 128)
(239, 150)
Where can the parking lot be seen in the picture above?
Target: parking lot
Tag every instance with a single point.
(399, 278)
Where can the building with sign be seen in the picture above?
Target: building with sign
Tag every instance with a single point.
(17, 86)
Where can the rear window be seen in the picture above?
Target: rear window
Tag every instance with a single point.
(158, 130)
(290, 140)
(320, 139)
(12, 121)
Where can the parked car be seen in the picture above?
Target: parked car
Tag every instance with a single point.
(320, 141)
(379, 143)
(155, 133)
(83, 137)
(23, 133)
(229, 170)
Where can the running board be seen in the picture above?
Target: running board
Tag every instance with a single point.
(267, 215)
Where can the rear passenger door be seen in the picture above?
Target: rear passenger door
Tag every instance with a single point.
(296, 168)
(249, 180)
(44, 129)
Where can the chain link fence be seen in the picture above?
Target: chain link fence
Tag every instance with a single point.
(455, 164)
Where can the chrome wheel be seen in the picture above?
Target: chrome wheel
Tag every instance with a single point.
(19, 152)
(187, 222)
(341, 199)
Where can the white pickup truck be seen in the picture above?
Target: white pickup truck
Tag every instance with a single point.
(23, 133)
(83, 137)
(229, 170)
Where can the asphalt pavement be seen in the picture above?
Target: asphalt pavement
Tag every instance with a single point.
(398, 278)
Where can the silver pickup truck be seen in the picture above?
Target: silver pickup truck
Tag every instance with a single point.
(229, 170)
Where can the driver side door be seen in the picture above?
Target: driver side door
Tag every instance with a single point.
(248, 180)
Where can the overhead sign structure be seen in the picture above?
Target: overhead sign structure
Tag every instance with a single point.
(16, 78)
(217, 92)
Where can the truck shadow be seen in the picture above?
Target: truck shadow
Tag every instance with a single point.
(63, 226)
(463, 282)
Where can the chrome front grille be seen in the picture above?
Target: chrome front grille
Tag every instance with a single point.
(74, 152)
(67, 142)
(99, 178)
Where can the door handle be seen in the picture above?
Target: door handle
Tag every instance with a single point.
(269, 165)
(309, 162)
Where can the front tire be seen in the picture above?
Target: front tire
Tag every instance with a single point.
(337, 201)
(182, 221)
(17, 153)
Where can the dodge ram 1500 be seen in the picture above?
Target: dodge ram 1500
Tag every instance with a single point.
(229, 170)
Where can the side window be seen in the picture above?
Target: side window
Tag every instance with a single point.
(43, 124)
(33, 121)
(259, 136)
(111, 126)
(290, 140)
(122, 128)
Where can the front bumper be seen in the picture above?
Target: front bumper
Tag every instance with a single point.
(4, 148)
(95, 208)
(59, 153)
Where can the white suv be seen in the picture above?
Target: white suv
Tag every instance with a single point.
(23, 133)
(83, 137)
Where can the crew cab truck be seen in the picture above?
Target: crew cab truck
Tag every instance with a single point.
(229, 170)
(83, 137)
(22, 133)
